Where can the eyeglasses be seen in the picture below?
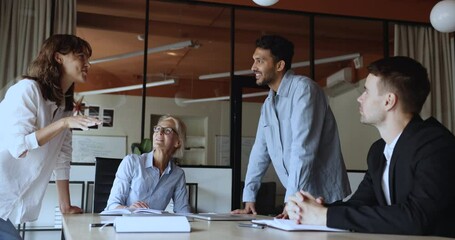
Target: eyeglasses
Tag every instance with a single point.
(166, 130)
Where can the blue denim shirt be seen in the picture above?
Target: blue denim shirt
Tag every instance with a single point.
(138, 180)
(298, 134)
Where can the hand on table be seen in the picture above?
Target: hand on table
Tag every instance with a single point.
(250, 207)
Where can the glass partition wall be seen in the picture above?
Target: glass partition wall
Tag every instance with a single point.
(114, 31)
(189, 63)
(192, 49)
(342, 53)
(194, 54)
(202, 103)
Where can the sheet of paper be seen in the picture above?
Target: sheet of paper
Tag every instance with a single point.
(124, 211)
(155, 223)
(148, 210)
(289, 225)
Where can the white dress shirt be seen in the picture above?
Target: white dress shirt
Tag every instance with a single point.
(23, 180)
(388, 151)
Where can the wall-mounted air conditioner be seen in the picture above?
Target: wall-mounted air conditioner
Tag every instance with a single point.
(340, 82)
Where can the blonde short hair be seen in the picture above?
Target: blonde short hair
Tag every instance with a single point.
(180, 128)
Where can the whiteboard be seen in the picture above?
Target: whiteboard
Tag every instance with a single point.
(223, 159)
(223, 149)
(87, 147)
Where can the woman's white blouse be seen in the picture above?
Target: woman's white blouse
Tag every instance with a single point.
(23, 179)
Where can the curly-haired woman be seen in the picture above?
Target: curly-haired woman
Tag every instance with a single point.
(35, 131)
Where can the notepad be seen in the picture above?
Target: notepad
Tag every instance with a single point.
(126, 211)
(290, 225)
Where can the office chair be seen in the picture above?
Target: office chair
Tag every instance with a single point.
(265, 199)
(105, 169)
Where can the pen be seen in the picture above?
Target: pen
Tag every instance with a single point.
(101, 224)
(251, 225)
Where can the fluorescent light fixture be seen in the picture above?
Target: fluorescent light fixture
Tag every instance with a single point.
(246, 95)
(327, 60)
(225, 74)
(294, 65)
(127, 88)
(173, 46)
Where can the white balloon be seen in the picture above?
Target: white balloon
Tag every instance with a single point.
(442, 16)
(265, 3)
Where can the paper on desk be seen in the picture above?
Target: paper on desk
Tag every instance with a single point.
(107, 219)
(152, 224)
(122, 211)
(289, 225)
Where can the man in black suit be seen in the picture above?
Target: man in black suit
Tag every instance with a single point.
(409, 185)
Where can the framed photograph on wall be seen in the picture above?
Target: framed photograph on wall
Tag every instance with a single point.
(108, 117)
(94, 111)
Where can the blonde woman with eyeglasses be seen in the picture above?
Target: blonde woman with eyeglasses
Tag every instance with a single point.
(152, 179)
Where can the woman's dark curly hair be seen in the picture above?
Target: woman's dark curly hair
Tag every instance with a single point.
(45, 70)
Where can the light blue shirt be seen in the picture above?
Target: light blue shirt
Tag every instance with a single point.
(297, 133)
(138, 180)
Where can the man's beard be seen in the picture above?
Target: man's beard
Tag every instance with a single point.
(266, 81)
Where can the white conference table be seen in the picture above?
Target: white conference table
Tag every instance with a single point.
(76, 227)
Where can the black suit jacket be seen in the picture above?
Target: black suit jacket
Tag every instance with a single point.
(422, 186)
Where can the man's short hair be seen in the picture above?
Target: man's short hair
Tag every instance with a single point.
(405, 77)
(280, 48)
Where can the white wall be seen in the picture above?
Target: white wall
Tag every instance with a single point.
(356, 138)
(214, 188)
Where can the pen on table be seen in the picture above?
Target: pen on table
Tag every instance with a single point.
(101, 225)
(251, 225)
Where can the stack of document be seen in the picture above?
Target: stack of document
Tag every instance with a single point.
(221, 216)
(290, 225)
(155, 223)
(126, 211)
(58, 218)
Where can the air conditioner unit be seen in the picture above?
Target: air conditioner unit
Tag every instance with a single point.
(340, 82)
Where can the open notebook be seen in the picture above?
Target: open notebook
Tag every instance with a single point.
(126, 211)
(221, 216)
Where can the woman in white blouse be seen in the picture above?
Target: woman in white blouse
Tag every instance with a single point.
(35, 131)
(152, 179)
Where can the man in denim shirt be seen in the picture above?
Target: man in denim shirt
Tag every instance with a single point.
(297, 131)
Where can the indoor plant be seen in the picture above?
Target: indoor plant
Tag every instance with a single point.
(144, 147)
